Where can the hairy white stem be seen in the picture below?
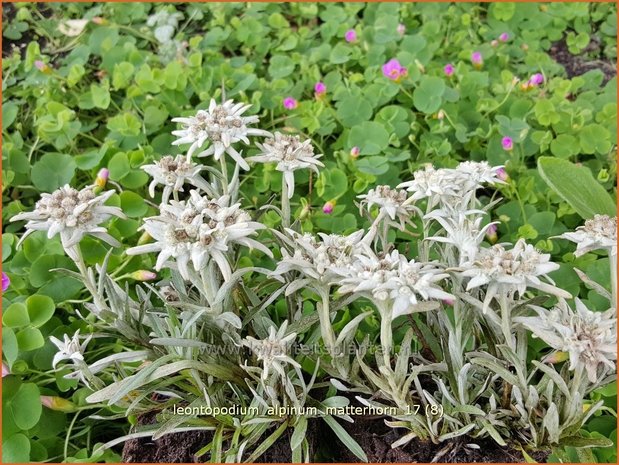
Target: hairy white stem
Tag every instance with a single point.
(285, 204)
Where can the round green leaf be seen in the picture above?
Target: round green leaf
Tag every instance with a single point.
(26, 406)
(16, 449)
(427, 96)
(371, 138)
(52, 171)
(132, 204)
(29, 339)
(40, 309)
(15, 316)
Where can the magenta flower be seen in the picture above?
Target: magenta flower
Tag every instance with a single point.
(449, 69)
(5, 369)
(507, 143)
(6, 281)
(477, 59)
(328, 207)
(401, 29)
(536, 79)
(394, 70)
(504, 37)
(44, 68)
(351, 35)
(320, 89)
(354, 152)
(290, 103)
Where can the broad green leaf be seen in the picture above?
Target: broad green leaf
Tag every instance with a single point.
(577, 186)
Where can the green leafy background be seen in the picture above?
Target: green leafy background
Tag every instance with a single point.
(106, 96)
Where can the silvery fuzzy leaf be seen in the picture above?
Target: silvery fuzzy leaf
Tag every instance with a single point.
(551, 423)
(555, 377)
(591, 284)
(532, 399)
(455, 434)
(463, 383)
(492, 431)
(404, 440)
(338, 385)
(350, 328)
(336, 401)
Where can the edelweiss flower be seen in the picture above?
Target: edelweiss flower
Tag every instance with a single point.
(436, 185)
(391, 204)
(223, 126)
(198, 229)
(70, 348)
(290, 154)
(452, 188)
(511, 271)
(463, 232)
(392, 278)
(599, 232)
(320, 260)
(73, 214)
(273, 351)
(173, 173)
(590, 338)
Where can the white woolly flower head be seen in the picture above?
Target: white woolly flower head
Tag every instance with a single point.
(290, 154)
(198, 229)
(463, 230)
(222, 125)
(452, 187)
(69, 348)
(73, 214)
(393, 280)
(273, 351)
(599, 232)
(391, 203)
(590, 338)
(174, 173)
(511, 271)
(322, 258)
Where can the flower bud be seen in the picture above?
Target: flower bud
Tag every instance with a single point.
(44, 68)
(6, 281)
(507, 143)
(441, 114)
(144, 238)
(144, 275)
(99, 20)
(102, 177)
(491, 233)
(58, 404)
(504, 37)
(401, 29)
(477, 59)
(494, 43)
(556, 357)
(354, 152)
(502, 174)
(328, 207)
(5, 369)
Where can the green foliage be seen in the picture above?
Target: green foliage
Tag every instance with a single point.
(106, 96)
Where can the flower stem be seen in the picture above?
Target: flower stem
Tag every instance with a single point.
(285, 204)
(613, 277)
(506, 320)
(325, 321)
(386, 336)
(224, 175)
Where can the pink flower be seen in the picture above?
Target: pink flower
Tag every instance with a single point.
(504, 37)
(290, 103)
(536, 79)
(354, 152)
(102, 177)
(477, 59)
(58, 404)
(327, 208)
(449, 302)
(502, 174)
(401, 29)
(351, 35)
(491, 233)
(320, 89)
(6, 281)
(5, 369)
(507, 143)
(394, 70)
(449, 69)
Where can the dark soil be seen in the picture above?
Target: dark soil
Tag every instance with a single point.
(8, 15)
(182, 447)
(375, 438)
(591, 58)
